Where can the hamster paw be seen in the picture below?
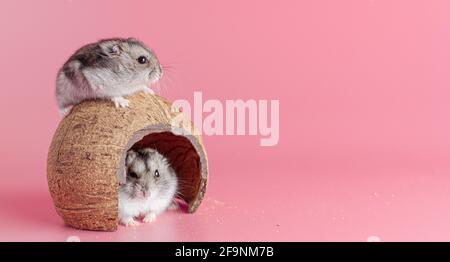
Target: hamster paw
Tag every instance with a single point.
(120, 101)
(129, 221)
(147, 90)
(173, 206)
(64, 111)
(150, 217)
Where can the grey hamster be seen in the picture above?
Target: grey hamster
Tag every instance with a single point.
(108, 69)
(150, 187)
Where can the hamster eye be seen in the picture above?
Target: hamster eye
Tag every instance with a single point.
(133, 174)
(156, 173)
(142, 60)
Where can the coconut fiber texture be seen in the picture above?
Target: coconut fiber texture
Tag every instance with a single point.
(86, 159)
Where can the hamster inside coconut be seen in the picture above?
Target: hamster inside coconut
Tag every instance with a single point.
(150, 187)
(108, 69)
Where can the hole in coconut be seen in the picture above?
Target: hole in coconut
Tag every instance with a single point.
(183, 155)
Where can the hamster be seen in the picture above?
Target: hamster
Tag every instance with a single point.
(108, 69)
(150, 188)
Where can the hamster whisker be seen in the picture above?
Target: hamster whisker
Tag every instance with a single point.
(168, 67)
(169, 63)
(168, 77)
(186, 186)
(156, 87)
(162, 89)
(168, 70)
(164, 83)
(183, 183)
(179, 195)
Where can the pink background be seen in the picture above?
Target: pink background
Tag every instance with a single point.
(364, 90)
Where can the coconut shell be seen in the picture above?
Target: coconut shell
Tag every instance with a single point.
(86, 159)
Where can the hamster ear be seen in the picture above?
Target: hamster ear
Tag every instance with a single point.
(132, 39)
(111, 48)
(147, 151)
(131, 155)
(115, 50)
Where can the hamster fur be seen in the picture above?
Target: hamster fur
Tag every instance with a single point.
(150, 188)
(108, 69)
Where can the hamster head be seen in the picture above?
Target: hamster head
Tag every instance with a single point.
(148, 175)
(130, 59)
